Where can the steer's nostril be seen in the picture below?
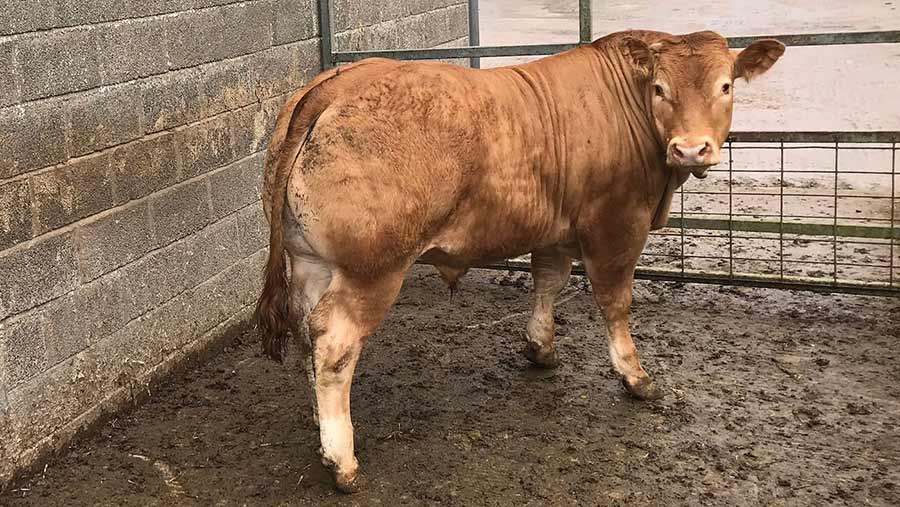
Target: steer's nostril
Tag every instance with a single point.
(678, 153)
(703, 150)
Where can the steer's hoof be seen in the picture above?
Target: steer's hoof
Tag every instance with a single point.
(345, 482)
(349, 483)
(643, 389)
(541, 356)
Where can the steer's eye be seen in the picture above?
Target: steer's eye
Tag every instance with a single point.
(658, 90)
(726, 88)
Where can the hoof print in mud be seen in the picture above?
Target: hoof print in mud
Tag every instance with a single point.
(644, 389)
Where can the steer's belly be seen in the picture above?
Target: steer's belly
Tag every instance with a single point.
(466, 248)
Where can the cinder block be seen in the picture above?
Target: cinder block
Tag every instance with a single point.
(58, 62)
(205, 146)
(15, 213)
(172, 99)
(426, 30)
(283, 69)
(353, 14)
(104, 118)
(236, 186)
(180, 211)
(307, 60)
(10, 86)
(165, 273)
(247, 132)
(4, 403)
(295, 20)
(253, 230)
(422, 6)
(143, 167)
(380, 36)
(37, 274)
(132, 49)
(176, 323)
(71, 192)
(20, 16)
(31, 137)
(227, 85)
(62, 332)
(86, 315)
(265, 120)
(248, 28)
(4, 424)
(23, 339)
(53, 399)
(195, 37)
(80, 12)
(220, 297)
(114, 240)
(200, 4)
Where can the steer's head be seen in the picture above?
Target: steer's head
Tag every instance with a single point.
(691, 81)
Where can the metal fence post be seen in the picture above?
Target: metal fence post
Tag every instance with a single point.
(325, 53)
(474, 32)
(585, 26)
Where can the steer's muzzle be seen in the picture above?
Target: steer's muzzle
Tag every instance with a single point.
(696, 154)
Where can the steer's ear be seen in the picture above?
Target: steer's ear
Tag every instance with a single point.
(641, 55)
(757, 58)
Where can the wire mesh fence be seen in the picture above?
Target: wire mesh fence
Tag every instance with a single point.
(815, 211)
(804, 213)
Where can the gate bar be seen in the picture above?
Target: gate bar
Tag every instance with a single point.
(585, 23)
(474, 32)
(813, 39)
(823, 137)
(325, 52)
(690, 276)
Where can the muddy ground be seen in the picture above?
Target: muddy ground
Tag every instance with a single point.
(773, 398)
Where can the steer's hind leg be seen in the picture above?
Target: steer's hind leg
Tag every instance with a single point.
(349, 311)
(309, 280)
(550, 270)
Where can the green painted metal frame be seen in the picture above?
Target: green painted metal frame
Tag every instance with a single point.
(835, 230)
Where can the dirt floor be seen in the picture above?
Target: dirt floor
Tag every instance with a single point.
(773, 398)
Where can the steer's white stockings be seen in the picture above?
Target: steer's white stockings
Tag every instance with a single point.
(550, 270)
(612, 284)
(348, 312)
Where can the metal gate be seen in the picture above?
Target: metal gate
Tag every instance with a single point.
(760, 219)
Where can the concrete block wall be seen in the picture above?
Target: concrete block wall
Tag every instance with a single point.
(131, 143)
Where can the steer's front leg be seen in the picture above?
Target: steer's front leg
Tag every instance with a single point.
(612, 277)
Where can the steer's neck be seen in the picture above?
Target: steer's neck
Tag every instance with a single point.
(599, 125)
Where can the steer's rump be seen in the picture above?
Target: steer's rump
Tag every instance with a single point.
(413, 157)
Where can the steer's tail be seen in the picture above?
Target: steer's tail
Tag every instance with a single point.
(273, 307)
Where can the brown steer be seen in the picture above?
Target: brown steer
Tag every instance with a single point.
(379, 163)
